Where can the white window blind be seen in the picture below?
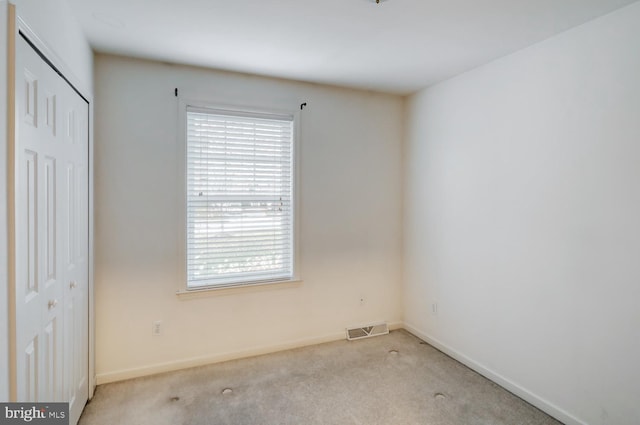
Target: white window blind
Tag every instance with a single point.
(239, 198)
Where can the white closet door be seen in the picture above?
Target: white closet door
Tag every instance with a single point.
(76, 226)
(51, 211)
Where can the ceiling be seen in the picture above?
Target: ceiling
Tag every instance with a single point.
(397, 46)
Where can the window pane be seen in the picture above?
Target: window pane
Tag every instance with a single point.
(239, 198)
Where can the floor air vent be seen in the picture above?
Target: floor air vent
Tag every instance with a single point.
(367, 331)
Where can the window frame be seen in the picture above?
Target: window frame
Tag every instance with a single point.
(183, 105)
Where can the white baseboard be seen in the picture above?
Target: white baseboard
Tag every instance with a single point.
(531, 398)
(121, 375)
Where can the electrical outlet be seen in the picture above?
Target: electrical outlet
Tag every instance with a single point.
(434, 309)
(156, 329)
(363, 300)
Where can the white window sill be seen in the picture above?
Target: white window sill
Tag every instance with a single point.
(212, 291)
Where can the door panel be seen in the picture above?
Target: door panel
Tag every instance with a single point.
(30, 94)
(30, 371)
(30, 220)
(51, 362)
(50, 112)
(50, 248)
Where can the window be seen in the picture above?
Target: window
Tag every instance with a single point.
(240, 198)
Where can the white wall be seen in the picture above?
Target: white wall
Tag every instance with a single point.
(53, 22)
(4, 306)
(523, 220)
(350, 220)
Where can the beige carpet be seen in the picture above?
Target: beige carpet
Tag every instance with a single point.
(394, 379)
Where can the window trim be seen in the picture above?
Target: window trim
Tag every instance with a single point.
(183, 290)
